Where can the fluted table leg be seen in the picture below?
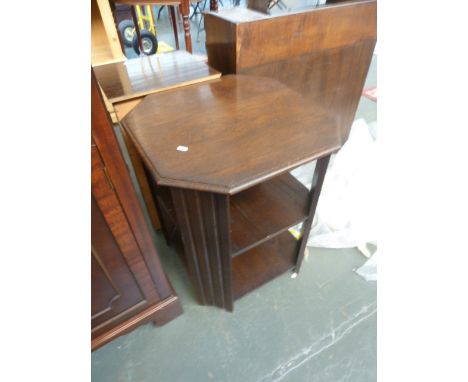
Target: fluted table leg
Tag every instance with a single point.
(203, 219)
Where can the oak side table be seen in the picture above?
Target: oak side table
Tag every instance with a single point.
(218, 157)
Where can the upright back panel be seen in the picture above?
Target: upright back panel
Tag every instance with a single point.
(323, 53)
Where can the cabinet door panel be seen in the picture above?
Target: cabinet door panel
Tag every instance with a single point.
(129, 287)
(116, 219)
(113, 286)
(101, 281)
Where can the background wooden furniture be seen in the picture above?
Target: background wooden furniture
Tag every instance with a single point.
(221, 182)
(184, 7)
(128, 285)
(126, 11)
(105, 43)
(125, 84)
(323, 53)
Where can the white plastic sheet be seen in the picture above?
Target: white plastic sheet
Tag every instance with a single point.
(369, 270)
(346, 212)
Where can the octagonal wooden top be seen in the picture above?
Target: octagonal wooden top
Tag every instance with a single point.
(229, 134)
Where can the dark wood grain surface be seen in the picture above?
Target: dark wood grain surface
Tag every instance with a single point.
(203, 222)
(257, 214)
(256, 128)
(114, 286)
(323, 53)
(128, 284)
(292, 101)
(142, 180)
(126, 83)
(149, 74)
(263, 211)
(263, 263)
(109, 150)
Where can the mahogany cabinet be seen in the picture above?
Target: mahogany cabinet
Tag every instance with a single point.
(128, 285)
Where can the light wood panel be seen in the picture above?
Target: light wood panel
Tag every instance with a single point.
(105, 45)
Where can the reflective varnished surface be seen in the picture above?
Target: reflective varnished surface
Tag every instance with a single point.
(149, 74)
(128, 286)
(238, 131)
(322, 53)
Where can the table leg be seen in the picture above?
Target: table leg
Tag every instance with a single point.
(317, 182)
(137, 28)
(142, 180)
(204, 222)
(174, 25)
(185, 16)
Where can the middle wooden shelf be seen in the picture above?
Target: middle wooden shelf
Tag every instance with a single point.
(258, 214)
(264, 211)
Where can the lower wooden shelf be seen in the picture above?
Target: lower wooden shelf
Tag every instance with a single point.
(261, 212)
(263, 263)
(166, 209)
(262, 248)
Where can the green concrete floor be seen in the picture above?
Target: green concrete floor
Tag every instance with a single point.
(318, 327)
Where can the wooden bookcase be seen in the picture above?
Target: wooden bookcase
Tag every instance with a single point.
(228, 201)
(260, 247)
(105, 44)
